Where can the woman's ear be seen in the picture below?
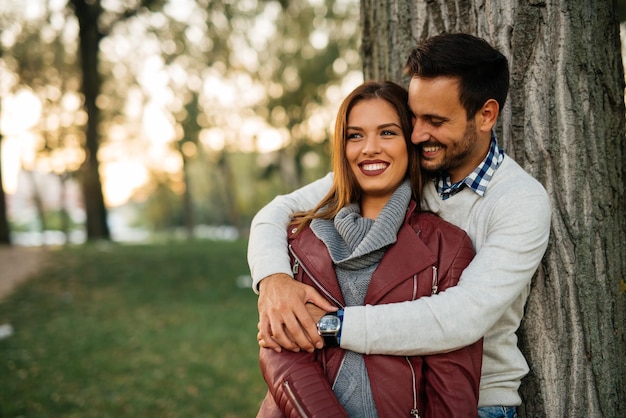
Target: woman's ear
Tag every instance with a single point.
(488, 115)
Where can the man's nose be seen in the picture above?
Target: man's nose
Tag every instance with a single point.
(419, 133)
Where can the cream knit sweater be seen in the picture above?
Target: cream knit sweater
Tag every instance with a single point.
(509, 226)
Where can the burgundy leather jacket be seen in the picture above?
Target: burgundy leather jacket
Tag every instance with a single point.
(427, 258)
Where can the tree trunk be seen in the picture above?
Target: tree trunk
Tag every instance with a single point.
(229, 188)
(88, 14)
(5, 232)
(39, 206)
(63, 206)
(564, 123)
(187, 199)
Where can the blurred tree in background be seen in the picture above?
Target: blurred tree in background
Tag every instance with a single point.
(224, 103)
(39, 55)
(94, 24)
(5, 232)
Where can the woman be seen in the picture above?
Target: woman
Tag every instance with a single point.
(368, 243)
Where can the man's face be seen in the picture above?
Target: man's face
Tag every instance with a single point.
(446, 139)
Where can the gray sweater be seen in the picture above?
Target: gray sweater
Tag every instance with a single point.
(356, 245)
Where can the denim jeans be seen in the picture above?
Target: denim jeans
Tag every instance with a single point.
(497, 412)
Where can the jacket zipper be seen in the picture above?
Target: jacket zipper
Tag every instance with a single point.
(299, 264)
(435, 286)
(343, 360)
(435, 281)
(414, 411)
(296, 265)
(293, 398)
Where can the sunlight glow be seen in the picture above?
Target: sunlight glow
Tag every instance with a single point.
(213, 138)
(20, 112)
(10, 165)
(319, 39)
(270, 140)
(132, 174)
(156, 124)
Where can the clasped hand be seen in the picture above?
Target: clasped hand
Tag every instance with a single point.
(288, 314)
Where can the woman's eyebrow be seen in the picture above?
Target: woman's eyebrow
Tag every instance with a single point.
(387, 125)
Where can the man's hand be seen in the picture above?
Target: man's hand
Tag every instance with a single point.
(284, 321)
(316, 312)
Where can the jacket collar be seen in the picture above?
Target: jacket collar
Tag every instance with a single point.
(315, 259)
(408, 256)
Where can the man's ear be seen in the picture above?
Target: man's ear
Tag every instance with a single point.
(488, 115)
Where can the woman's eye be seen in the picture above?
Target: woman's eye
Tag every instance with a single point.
(354, 136)
(387, 132)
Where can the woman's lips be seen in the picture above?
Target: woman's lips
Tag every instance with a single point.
(373, 169)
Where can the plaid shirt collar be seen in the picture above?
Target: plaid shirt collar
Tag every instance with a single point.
(477, 180)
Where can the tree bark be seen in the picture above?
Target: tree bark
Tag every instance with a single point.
(88, 14)
(564, 123)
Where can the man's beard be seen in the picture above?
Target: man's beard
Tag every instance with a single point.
(455, 154)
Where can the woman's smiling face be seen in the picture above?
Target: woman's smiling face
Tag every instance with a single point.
(376, 148)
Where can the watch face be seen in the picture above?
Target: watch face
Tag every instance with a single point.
(329, 324)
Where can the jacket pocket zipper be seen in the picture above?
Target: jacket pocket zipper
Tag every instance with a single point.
(293, 398)
(414, 411)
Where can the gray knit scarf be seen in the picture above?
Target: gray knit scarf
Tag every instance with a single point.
(355, 242)
(356, 246)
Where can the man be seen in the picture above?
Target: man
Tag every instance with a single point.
(459, 84)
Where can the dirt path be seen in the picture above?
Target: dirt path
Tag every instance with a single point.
(18, 264)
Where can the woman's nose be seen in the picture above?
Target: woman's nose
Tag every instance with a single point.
(370, 145)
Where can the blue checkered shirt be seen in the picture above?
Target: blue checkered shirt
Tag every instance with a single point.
(477, 180)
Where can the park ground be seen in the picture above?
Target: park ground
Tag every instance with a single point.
(17, 264)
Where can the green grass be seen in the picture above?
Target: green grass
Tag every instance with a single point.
(133, 331)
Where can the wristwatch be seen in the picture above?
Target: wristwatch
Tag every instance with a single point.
(329, 327)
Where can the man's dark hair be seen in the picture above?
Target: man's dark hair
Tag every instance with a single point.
(482, 70)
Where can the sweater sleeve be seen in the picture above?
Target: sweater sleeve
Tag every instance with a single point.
(267, 245)
(499, 275)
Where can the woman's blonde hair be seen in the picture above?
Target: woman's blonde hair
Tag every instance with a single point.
(345, 188)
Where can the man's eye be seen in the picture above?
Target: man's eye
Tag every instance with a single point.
(436, 122)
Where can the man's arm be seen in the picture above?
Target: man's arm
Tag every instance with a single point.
(283, 318)
(267, 246)
(499, 274)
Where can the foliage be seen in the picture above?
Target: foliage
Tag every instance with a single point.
(303, 65)
(173, 79)
(162, 208)
(283, 75)
(133, 331)
(42, 59)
